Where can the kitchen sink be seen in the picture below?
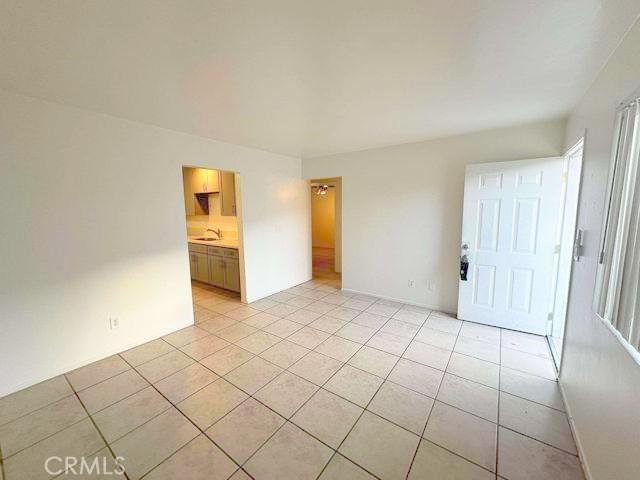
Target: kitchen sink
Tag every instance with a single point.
(208, 239)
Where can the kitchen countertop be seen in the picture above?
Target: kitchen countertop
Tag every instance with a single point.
(224, 242)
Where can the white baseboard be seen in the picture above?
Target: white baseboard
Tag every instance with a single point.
(249, 300)
(9, 389)
(399, 300)
(574, 432)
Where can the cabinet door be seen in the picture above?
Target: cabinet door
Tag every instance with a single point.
(216, 271)
(205, 180)
(231, 274)
(228, 193)
(213, 181)
(199, 180)
(202, 267)
(193, 266)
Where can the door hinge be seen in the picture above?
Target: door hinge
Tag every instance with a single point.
(564, 177)
(549, 316)
(556, 249)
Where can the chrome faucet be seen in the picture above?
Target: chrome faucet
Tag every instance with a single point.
(217, 232)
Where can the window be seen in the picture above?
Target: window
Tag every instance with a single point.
(617, 297)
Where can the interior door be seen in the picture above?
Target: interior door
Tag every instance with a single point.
(509, 223)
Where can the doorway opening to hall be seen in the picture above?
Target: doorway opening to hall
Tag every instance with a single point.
(326, 229)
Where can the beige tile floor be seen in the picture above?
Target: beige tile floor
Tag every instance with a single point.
(309, 383)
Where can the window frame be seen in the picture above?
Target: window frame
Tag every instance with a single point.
(622, 203)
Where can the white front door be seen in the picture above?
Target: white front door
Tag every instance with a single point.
(509, 223)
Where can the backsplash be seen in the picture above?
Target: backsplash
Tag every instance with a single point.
(197, 224)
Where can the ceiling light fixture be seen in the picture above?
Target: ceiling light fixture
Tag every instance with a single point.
(321, 189)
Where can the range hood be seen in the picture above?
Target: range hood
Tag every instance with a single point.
(203, 200)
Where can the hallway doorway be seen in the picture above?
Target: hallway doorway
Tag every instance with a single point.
(326, 228)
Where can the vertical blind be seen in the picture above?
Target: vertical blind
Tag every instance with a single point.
(617, 294)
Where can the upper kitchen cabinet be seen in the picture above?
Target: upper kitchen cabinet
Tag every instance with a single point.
(205, 180)
(228, 194)
(199, 183)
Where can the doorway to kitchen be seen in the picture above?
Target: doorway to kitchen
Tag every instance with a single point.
(213, 217)
(326, 229)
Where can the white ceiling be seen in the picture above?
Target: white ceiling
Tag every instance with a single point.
(310, 78)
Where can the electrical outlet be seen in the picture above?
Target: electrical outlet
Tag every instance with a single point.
(411, 284)
(114, 323)
(431, 286)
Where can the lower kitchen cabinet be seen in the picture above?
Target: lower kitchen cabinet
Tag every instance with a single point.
(217, 266)
(216, 271)
(199, 266)
(224, 272)
(232, 274)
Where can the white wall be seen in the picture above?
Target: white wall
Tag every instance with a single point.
(93, 226)
(402, 208)
(600, 379)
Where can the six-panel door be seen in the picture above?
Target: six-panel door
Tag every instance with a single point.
(510, 218)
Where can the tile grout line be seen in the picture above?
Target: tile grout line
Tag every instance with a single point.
(172, 405)
(497, 423)
(45, 437)
(334, 334)
(287, 420)
(37, 409)
(345, 400)
(385, 379)
(89, 416)
(113, 455)
(117, 401)
(350, 321)
(435, 399)
(365, 409)
(335, 450)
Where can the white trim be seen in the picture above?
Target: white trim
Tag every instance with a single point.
(574, 432)
(615, 243)
(34, 380)
(406, 302)
(635, 354)
(578, 146)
